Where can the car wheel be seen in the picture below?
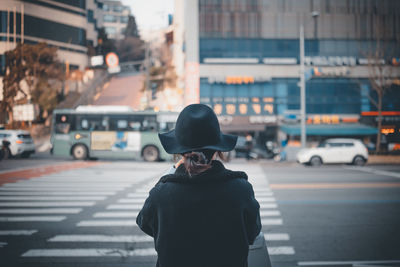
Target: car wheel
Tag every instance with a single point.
(150, 153)
(80, 152)
(359, 161)
(315, 161)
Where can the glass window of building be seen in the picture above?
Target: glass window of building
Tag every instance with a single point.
(118, 9)
(111, 30)
(124, 19)
(110, 18)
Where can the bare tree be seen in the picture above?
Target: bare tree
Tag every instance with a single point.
(380, 76)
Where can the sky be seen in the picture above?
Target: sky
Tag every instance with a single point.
(151, 14)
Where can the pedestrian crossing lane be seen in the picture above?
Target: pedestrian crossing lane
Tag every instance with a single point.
(122, 215)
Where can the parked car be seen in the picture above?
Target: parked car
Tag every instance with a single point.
(350, 151)
(256, 151)
(20, 143)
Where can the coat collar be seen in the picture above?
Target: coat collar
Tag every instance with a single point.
(216, 173)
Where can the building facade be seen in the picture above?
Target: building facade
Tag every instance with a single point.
(68, 25)
(115, 19)
(242, 59)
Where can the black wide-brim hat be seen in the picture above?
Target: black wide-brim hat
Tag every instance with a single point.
(197, 128)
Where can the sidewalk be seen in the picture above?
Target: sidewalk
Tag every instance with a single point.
(383, 159)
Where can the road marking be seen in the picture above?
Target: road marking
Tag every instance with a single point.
(334, 185)
(51, 198)
(266, 199)
(89, 252)
(265, 194)
(3, 244)
(271, 221)
(124, 207)
(62, 189)
(268, 206)
(258, 191)
(137, 195)
(46, 204)
(115, 215)
(335, 263)
(17, 232)
(107, 223)
(276, 237)
(374, 171)
(143, 190)
(56, 193)
(101, 238)
(33, 219)
(280, 250)
(40, 211)
(23, 185)
(127, 200)
(267, 213)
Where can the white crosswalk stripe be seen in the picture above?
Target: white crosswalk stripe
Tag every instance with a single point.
(41, 211)
(50, 198)
(115, 215)
(101, 238)
(89, 252)
(107, 223)
(17, 232)
(33, 219)
(47, 204)
(124, 207)
(56, 193)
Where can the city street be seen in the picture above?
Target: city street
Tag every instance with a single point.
(83, 213)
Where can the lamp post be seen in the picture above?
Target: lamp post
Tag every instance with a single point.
(303, 136)
(302, 90)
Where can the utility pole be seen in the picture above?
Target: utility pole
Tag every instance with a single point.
(147, 74)
(302, 90)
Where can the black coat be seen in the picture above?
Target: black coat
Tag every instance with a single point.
(206, 220)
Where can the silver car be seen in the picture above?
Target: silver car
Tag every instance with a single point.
(21, 143)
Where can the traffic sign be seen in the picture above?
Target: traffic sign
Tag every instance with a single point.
(112, 60)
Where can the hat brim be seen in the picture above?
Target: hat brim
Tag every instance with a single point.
(172, 146)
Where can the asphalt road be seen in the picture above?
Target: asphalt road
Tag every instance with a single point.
(327, 216)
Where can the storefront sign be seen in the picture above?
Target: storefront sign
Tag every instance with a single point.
(330, 61)
(238, 79)
(280, 61)
(263, 119)
(331, 119)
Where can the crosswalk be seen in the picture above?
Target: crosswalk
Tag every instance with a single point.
(98, 210)
(272, 223)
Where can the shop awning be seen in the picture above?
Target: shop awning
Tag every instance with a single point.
(343, 129)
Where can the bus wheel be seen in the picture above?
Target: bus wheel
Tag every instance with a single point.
(150, 153)
(80, 152)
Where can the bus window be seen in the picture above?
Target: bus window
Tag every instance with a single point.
(118, 123)
(149, 124)
(134, 125)
(64, 123)
(93, 123)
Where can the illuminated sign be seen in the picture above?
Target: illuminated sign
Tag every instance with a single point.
(238, 79)
(330, 119)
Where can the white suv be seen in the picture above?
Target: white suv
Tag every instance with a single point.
(21, 142)
(351, 151)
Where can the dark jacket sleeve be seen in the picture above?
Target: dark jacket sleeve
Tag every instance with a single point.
(252, 216)
(147, 217)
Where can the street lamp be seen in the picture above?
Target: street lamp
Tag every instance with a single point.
(303, 136)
